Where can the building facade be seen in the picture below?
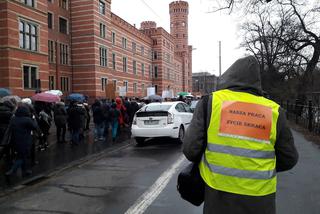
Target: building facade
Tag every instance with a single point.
(203, 83)
(81, 46)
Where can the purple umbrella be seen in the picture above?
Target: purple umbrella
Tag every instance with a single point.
(46, 97)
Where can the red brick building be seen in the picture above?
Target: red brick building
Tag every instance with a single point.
(80, 46)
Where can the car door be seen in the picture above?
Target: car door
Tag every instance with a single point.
(182, 113)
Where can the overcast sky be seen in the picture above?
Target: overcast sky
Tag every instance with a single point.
(205, 29)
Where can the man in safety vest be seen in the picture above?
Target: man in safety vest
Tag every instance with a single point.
(247, 142)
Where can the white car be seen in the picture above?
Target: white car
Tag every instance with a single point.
(167, 119)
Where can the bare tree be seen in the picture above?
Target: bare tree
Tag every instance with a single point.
(230, 5)
(279, 64)
(285, 37)
(303, 36)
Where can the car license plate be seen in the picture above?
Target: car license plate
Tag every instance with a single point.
(151, 122)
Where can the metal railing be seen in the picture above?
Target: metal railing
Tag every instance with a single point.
(305, 115)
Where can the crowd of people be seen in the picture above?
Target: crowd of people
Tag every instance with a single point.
(25, 126)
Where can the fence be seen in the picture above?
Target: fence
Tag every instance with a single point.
(304, 115)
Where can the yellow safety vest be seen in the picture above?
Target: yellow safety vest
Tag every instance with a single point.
(240, 156)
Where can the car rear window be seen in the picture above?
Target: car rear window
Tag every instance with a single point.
(156, 108)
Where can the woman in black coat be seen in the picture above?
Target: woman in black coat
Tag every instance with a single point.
(60, 119)
(75, 115)
(21, 125)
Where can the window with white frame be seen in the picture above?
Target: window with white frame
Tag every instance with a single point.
(135, 88)
(113, 61)
(104, 82)
(102, 30)
(51, 83)
(30, 74)
(64, 54)
(102, 7)
(124, 43)
(155, 55)
(167, 57)
(142, 89)
(113, 38)
(149, 54)
(134, 47)
(114, 82)
(63, 25)
(126, 84)
(155, 69)
(28, 37)
(28, 2)
(134, 66)
(124, 64)
(142, 69)
(150, 71)
(103, 56)
(51, 51)
(156, 88)
(64, 83)
(63, 4)
(50, 20)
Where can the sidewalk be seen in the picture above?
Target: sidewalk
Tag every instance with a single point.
(299, 189)
(59, 156)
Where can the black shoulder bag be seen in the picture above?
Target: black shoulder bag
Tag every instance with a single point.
(190, 184)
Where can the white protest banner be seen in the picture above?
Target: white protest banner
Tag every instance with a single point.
(151, 91)
(122, 91)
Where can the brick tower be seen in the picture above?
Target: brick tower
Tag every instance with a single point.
(179, 11)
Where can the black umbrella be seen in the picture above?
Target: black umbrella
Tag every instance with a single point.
(155, 97)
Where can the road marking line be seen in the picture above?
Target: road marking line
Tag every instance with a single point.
(146, 199)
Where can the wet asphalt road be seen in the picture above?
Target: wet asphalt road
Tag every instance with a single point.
(114, 184)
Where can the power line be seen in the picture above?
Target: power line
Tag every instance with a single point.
(152, 10)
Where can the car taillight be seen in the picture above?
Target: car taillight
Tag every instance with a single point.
(170, 118)
(134, 122)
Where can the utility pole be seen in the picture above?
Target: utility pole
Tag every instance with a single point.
(219, 58)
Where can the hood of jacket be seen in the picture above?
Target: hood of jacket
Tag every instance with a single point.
(242, 75)
(22, 111)
(118, 101)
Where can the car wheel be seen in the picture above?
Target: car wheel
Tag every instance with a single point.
(140, 140)
(181, 135)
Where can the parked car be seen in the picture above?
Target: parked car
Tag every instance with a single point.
(167, 119)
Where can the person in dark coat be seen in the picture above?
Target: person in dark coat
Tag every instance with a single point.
(98, 119)
(114, 120)
(134, 108)
(22, 125)
(127, 105)
(60, 119)
(6, 112)
(88, 116)
(106, 117)
(75, 115)
(44, 121)
(242, 76)
(28, 103)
